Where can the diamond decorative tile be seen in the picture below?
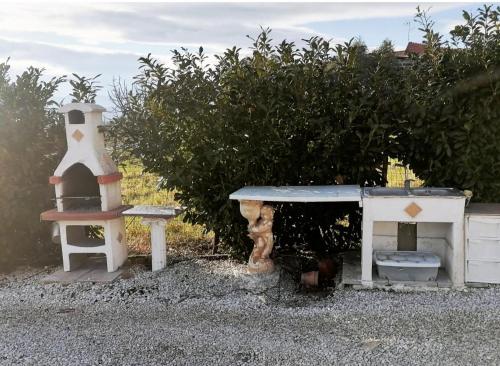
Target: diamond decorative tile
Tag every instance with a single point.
(120, 237)
(78, 135)
(413, 209)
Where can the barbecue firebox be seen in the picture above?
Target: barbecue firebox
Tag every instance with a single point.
(88, 192)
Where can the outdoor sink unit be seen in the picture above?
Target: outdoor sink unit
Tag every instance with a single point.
(424, 219)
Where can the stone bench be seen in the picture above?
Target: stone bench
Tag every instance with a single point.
(156, 217)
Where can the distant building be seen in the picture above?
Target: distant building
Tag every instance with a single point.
(412, 48)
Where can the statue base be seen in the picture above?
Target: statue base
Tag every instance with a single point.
(261, 266)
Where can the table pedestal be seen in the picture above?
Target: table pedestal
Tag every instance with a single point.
(158, 242)
(260, 224)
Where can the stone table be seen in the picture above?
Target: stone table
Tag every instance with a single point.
(260, 216)
(156, 217)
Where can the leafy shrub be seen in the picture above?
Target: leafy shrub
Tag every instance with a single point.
(453, 96)
(84, 88)
(282, 116)
(32, 141)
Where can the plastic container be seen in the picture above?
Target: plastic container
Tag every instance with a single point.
(396, 265)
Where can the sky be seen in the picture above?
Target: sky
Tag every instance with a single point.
(108, 38)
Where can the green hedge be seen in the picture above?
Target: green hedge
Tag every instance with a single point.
(453, 93)
(31, 145)
(321, 114)
(282, 116)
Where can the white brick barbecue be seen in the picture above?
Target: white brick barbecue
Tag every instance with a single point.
(88, 192)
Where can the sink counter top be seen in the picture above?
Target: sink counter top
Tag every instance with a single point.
(483, 209)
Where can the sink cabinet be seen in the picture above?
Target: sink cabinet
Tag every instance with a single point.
(482, 243)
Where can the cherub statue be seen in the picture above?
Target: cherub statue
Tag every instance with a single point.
(261, 232)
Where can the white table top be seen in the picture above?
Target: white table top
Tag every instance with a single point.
(334, 193)
(153, 211)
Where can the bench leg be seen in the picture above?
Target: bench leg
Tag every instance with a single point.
(158, 243)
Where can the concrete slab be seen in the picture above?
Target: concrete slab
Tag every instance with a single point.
(94, 270)
(61, 276)
(351, 268)
(100, 275)
(442, 279)
(477, 284)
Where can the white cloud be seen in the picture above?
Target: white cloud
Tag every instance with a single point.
(64, 58)
(107, 38)
(449, 25)
(218, 25)
(18, 65)
(59, 61)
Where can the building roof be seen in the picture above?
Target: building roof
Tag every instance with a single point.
(417, 48)
(412, 47)
(400, 54)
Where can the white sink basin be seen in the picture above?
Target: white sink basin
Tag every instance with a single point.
(384, 191)
(432, 191)
(403, 192)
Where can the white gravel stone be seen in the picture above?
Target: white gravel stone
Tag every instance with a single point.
(198, 312)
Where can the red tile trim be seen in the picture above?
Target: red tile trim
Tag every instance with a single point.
(110, 178)
(55, 179)
(54, 215)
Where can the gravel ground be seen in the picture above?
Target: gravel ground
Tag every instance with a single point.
(211, 313)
